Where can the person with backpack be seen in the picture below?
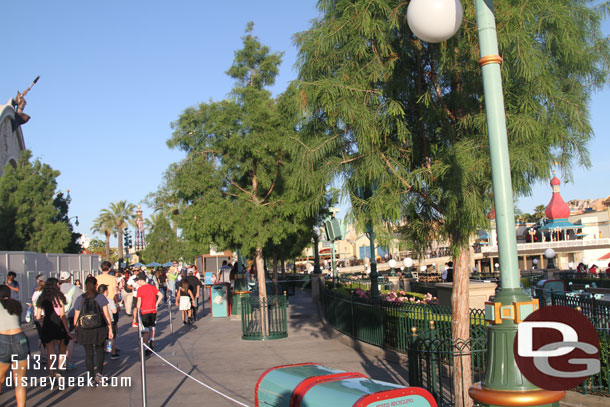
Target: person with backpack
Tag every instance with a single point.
(93, 327)
(52, 323)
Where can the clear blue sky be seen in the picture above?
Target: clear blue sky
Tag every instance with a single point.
(115, 74)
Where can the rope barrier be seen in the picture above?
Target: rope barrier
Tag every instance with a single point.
(193, 378)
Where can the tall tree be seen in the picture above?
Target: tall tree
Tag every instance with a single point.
(104, 224)
(407, 117)
(235, 181)
(162, 245)
(118, 215)
(32, 216)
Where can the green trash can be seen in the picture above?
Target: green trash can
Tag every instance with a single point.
(313, 385)
(219, 300)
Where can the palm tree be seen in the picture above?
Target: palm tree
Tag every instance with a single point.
(152, 220)
(104, 224)
(119, 215)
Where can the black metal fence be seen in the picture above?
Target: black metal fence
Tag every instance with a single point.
(264, 318)
(422, 331)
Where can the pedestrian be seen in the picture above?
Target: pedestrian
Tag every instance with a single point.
(162, 278)
(134, 286)
(71, 292)
(172, 275)
(12, 284)
(14, 348)
(195, 286)
(93, 326)
(114, 317)
(127, 293)
(78, 284)
(53, 331)
(184, 300)
(450, 272)
(224, 275)
(149, 297)
(109, 280)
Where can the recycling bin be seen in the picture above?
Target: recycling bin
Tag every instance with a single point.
(219, 300)
(312, 385)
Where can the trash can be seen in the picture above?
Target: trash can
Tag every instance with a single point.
(219, 300)
(311, 385)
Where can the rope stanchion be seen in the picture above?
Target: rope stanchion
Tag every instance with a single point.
(193, 378)
(169, 308)
(142, 360)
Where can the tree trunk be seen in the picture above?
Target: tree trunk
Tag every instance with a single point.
(120, 237)
(283, 268)
(275, 274)
(460, 330)
(262, 291)
(107, 246)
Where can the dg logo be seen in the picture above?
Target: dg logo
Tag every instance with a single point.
(556, 348)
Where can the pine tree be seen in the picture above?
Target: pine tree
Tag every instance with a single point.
(406, 117)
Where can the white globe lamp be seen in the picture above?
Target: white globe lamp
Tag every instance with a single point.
(408, 262)
(434, 20)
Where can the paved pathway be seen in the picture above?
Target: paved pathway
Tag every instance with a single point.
(212, 351)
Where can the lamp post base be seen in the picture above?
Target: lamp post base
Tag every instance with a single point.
(492, 398)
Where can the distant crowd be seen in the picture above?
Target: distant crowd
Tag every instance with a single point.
(67, 312)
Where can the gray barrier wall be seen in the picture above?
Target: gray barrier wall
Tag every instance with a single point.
(27, 265)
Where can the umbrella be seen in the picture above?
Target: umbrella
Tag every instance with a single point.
(168, 264)
(137, 265)
(153, 264)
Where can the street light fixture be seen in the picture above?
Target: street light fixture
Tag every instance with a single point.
(550, 255)
(503, 383)
(408, 263)
(76, 223)
(392, 264)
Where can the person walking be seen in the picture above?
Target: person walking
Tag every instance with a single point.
(114, 314)
(51, 317)
(14, 347)
(12, 284)
(195, 286)
(109, 280)
(127, 293)
(93, 326)
(172, 275)
(184, 301)
(149, 297)
(71, 292)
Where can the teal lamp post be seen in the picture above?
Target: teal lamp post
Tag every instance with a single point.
(503, 384)
(240, 288)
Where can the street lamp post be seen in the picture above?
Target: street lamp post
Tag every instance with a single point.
(503, 383)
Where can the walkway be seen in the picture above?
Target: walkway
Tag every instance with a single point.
(212, 351)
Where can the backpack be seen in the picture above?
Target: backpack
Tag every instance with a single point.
(90, 314)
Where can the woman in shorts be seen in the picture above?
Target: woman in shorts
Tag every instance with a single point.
(14, 347)
(54, 330)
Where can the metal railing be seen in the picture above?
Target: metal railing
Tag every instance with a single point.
(388, 324)
(264, 318)
(433, 362)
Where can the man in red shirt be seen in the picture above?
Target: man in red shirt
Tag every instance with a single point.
(148, 299)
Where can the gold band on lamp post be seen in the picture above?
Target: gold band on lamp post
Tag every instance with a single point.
(514, 398)
(490, 59)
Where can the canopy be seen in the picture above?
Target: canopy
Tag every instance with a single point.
(560, 224)
(153, 264)
(137, 265)
(168, 264)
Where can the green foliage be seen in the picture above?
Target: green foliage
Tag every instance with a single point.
(162, 245)
(104, 224)
(32, 218)
(387, 110)
(236, 184)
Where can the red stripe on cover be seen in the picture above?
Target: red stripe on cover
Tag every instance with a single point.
(266, 372)
(296, 398)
